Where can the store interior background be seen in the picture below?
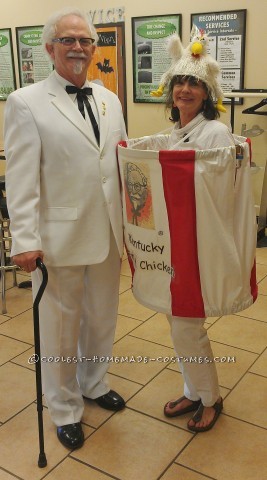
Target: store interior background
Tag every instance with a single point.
(235, 448)
(145, 118)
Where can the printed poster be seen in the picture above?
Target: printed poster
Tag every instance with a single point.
(149, 36)
(103, 67)
(226, 32)
(34, 65)
(7, 72)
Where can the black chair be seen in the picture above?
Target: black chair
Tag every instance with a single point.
(5, 247)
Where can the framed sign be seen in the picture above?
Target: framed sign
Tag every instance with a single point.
(149, 35)
(108, 64)
(34, 65)
(226, 32)
(7, 70)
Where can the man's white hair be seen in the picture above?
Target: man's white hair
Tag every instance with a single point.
(49, 30)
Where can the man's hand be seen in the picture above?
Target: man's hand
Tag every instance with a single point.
(27, 260)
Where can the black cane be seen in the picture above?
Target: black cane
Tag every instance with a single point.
(42, 462)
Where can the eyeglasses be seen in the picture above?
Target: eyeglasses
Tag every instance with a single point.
(69, 41)
(135, 187)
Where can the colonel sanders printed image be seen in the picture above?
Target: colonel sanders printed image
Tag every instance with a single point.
(139, 195)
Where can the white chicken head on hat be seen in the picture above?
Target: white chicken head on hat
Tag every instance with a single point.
(198, 41)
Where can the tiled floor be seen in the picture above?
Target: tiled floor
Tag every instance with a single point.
(139, 443)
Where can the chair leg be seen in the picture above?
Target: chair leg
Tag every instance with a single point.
(5, 264)
(3, 290)
(15, 282)
(3, 271)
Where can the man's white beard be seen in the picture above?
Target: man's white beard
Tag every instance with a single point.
(78, 67)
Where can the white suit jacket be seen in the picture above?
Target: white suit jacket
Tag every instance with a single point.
(63, 189)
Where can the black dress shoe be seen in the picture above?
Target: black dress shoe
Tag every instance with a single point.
(71, 436)
(111, 401)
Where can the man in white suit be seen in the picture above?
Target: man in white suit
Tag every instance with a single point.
(63, 197)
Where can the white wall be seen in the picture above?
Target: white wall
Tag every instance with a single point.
(144, 119)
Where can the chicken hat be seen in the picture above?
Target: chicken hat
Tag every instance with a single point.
(193, 61)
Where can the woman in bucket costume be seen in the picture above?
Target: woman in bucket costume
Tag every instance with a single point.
(192, 89)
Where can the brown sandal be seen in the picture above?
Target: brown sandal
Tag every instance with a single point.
(218, 406)
(190, 408)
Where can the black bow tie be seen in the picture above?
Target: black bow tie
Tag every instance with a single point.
(82, 99)
(81, 91)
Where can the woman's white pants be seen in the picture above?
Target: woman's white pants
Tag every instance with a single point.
(195, 359)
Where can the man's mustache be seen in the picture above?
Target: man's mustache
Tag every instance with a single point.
(76, 55)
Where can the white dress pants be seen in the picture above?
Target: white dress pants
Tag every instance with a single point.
(192, 347)
(78, 314)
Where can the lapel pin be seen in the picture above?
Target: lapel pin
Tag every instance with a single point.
(103, 108)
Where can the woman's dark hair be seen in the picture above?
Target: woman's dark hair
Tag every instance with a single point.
(208, 110)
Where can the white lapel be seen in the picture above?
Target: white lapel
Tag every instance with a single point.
(60, 99)
(103, 112)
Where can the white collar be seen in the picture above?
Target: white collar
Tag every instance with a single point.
(189, 126)
(65, 82)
